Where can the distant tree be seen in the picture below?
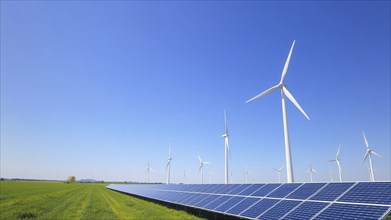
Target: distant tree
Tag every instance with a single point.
(71, 179)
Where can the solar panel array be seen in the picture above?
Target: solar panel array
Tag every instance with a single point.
(347, 200)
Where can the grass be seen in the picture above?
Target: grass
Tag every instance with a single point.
(55, 200)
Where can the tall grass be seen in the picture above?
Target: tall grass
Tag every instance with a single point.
(54, 200)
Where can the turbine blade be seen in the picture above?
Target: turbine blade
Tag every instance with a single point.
(365, 157)
(199, 158)
(281, 168)
(225, 122)
(331, 160)
(199, 169)
(314, 171)
(308, 170)
(293, 100)
(339, 148)
(376, 154)
(151, 169)
(287, 63)
(207, 162)
(365, 139)
(168, 163)
(264, 93)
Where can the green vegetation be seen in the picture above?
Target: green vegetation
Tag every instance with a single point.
(55, 200)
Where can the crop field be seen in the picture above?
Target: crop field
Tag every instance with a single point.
(57, 200)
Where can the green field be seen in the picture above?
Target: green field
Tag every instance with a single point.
(56, 200)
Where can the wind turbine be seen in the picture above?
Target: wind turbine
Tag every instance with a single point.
(331, 176)
(279, 173)
(184, 176)
(168, 166)
(226, 148)
(210, 177)
(368, 155)
(202, 168)
(284, 93)
(338, 163)
(149, 169)
(310, 171)
(246, 172)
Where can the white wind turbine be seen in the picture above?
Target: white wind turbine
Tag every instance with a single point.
(168, 166)
(184, 176)
(310, 171)
(246, 172)
(148, 170)
(368, 155)
(331, 176)
(279, 173)
(226, 149)
(202, 168)
(210, 177)
(370, 173)
(338, 163)
(285, 93)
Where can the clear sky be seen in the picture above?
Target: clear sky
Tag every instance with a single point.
(98, 89)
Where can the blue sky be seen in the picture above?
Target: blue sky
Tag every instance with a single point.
(98, 89)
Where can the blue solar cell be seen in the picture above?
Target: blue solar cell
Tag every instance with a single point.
(207, 200)
(187, 197)
(284, 190)
(331, 191)
(266, 189)
(228, 189)
(229, 203)
(351, 211)
(371, 192)
(243, 205)
(251, 189)
(213, 188)
(239, 189)
(305, 191)
(192, 199)
(205, 187)
(306, 210)
(215, 203)
(259, 208)
(199, 200)
(280, 209)
(222, 189)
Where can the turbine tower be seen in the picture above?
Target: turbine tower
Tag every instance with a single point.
(279, 173)
(368, 155)
(148, 170)
(226, 149)
(168, 166)
(311, 171)
(338, 163)
(284, 93)
(184, 176)
(202, 168)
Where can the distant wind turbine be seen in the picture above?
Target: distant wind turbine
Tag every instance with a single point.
(148, 170)
(310, 171)
(184, 176)
(226, 149)
(279, 173)
(246, 172)
(284, 93)
(368, 155)
(202, 168)
(338, 163)
(168, 166)
(331, 176)
(210, 177)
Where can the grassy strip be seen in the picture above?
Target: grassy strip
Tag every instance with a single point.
(48, 200)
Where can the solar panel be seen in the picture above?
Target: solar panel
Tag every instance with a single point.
(280, 209)
(376, 193)
(258, 208)
(348, 200)
(306, 210)
(352, 211)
